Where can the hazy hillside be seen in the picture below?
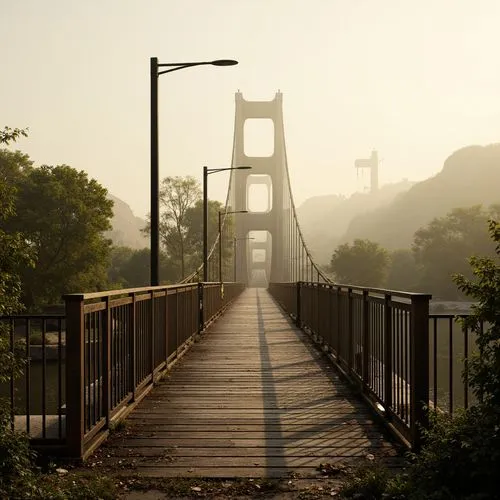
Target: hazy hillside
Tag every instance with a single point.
(324, 219)
(126, 226)
(470, 176)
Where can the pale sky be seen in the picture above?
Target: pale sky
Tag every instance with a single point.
(415, 80)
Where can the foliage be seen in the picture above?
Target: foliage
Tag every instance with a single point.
(11, 134)
(16, 458)
(460, 458)
(443, 247)
(484, 368)
(181, 228)
(15, 254)
(177, 196)
(132, 268)
(363, 263)
(62, 215)
(403, 273)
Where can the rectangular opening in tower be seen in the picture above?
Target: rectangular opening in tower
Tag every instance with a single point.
(259, 193)
(258, 137)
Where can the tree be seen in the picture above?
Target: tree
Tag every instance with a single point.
(62, 215)
(8, 134)
(403, 273)
(15, 254)
(131, 268)
(443, 247)
(363, 263)
(177, 196)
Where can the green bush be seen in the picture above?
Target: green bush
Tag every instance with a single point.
(460, 458)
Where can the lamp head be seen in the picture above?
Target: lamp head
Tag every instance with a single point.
(224, 62)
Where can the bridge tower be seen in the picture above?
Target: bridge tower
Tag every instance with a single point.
(372, 163)
(262, 259)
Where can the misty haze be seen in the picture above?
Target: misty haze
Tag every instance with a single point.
(249, 248)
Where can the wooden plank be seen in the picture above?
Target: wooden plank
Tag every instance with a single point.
(252, 398)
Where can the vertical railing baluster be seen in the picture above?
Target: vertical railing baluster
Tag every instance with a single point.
(133, 345)
(419, 356)
(75, 403)
(350, 329)
(366, 338)
(152, 335)
(387, 342)
(107, 379)
(298, 320)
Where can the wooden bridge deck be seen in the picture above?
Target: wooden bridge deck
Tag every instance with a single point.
(252, 398)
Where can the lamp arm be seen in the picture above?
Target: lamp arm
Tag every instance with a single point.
(178, 67)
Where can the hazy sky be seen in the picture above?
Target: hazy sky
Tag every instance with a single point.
(414, 79)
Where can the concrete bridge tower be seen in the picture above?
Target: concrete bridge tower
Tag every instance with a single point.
(262, 259)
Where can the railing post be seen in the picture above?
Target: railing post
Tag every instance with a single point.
(132, 346)
(350, 330)
(166, 327)
(201, 322)
(366, 339)
(152, 332)
(339, 332)
(298, 320)
(107, 380)
(75, 394)
(419, 349)
(388, 375)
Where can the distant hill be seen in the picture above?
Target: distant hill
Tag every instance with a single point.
(324, 219)
(470, 176)
(126, 226)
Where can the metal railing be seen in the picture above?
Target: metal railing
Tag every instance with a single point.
(380, 338)
(37, 398)
(111, 347)
(451, 346)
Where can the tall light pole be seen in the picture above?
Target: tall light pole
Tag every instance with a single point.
(234, 253)
(206, 172)
(220, 237)
(155, 178)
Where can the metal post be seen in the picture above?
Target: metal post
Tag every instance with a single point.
(366, 339)
(388, 375)
(419, 352)
(75, 369)
(234, 258)
(155, 206)
(220, 249)
(205, 224)
(298, 319)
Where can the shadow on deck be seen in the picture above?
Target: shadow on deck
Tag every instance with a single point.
(253, 398)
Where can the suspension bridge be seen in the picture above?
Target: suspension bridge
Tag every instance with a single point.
(266, 369)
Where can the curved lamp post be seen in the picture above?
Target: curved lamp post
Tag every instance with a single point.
(206, 172)
(220, 237)
(155, 72)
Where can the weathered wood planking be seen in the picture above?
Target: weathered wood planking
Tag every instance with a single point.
(252, 398)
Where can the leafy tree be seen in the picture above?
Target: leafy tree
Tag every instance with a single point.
(403, 272)
(15, 254)
(62, 215)
(363, 263)
(443, 247)
(8, 134)
(177, 196)
(132, 268)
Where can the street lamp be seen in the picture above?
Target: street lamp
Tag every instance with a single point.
(155, 203)
(234, 252)
(220, 238)
(206, 172)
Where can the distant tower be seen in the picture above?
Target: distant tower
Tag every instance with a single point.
(372, 164)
